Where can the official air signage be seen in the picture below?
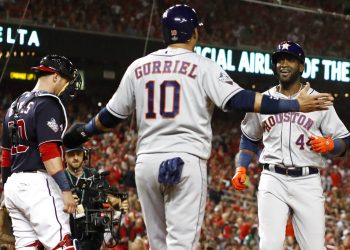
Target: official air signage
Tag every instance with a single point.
(25, 37)
(260, 63)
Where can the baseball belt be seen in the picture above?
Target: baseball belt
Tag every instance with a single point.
(291, 171)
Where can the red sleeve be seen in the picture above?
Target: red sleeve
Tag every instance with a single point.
(49, 150)
(5, 158)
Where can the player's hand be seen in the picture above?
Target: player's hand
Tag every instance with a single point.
(310, 103)
(321, 144)
(69, 202)
(239, 179)
(75, 135)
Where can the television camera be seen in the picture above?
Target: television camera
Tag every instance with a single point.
(99, 216)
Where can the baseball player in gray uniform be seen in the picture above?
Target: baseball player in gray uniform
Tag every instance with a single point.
(292, 157)
(174, 91)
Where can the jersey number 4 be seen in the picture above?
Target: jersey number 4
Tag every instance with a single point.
(301, 142)
(21, 133)
(150, 86)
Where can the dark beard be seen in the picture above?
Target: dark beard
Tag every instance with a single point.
(294, 78)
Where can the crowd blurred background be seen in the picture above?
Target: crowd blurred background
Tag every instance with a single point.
(231, 23)
(231, 216)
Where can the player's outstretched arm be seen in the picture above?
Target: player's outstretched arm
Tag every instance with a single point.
(81, 132)
(250, 101)
(305, 102)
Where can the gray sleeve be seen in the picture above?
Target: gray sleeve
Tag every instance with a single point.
(217, 84)
(251, 127)
(122, 102)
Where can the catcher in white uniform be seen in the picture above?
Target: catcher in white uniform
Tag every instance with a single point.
(174, 91)
(292, 156)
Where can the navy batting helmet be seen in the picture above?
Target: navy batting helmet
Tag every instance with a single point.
(179, 22)
(290, 48)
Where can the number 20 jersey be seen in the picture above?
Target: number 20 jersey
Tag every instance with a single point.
(174, 92)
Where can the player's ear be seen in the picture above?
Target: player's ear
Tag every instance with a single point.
(55, 77)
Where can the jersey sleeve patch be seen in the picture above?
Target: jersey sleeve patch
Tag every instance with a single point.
(224, 78)
(53, 125)
(50, 120)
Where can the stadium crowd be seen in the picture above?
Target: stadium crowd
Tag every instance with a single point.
(227, 23)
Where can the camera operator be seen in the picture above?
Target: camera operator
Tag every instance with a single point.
(75, 159)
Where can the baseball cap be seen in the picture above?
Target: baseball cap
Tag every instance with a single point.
(78, 148)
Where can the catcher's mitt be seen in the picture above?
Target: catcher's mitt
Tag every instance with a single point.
(6, 233)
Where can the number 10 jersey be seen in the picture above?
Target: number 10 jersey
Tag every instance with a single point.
(174, 92)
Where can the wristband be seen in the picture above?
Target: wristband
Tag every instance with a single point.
(107, 119)
(337, 147)
(61, 180)
(271, 105)
(288, 106)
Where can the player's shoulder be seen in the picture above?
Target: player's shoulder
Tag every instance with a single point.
(313, 91)
(47, 99)
(171, 52)
(273, 91)
(185, 54)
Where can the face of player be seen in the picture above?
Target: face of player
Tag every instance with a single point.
(288, 70)
(74, 159)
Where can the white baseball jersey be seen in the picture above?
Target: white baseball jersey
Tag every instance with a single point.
(285, 135)
(174, 91)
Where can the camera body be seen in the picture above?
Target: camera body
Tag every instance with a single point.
(98, 215)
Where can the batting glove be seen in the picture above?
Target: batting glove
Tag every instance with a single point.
(321, 144)
(75, 136)
(239, 178)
